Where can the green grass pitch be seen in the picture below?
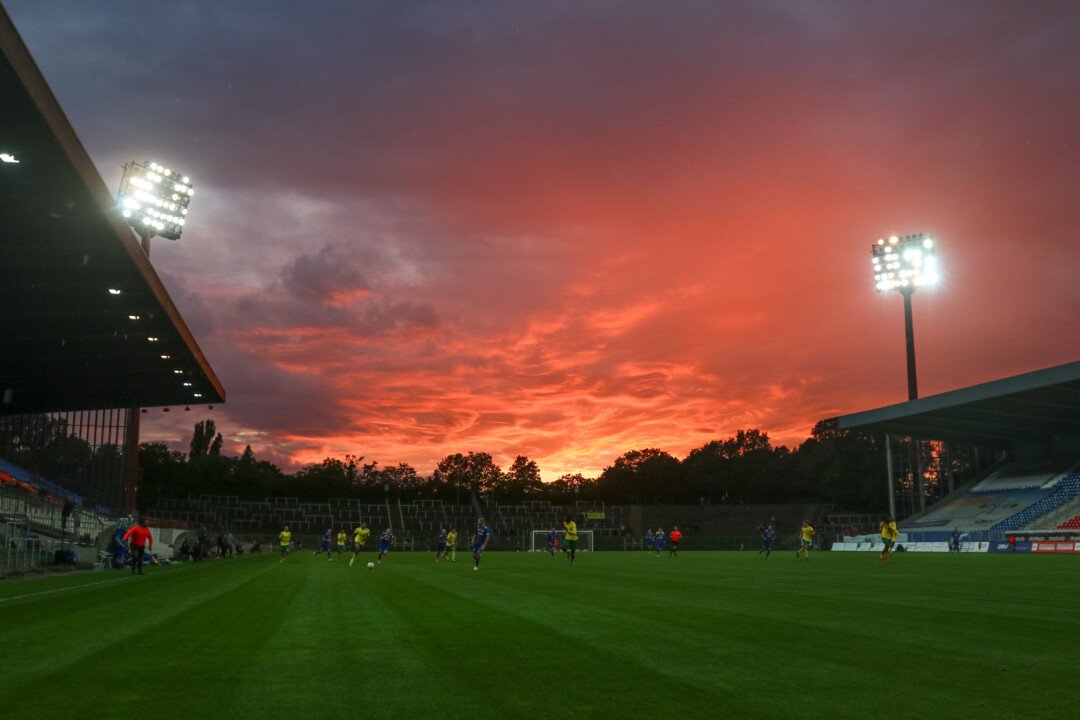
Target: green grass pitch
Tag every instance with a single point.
(627, 635)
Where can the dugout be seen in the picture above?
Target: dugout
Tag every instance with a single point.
(88, 331)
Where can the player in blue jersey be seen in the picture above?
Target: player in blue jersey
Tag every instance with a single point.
(385, 541)
(552, 542)
(325, 544)
(440, 544)
(480, 541)
(659, 540)
(767, 537)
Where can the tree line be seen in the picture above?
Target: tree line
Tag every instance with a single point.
(841, 467)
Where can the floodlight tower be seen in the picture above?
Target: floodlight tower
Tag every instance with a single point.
(904, 264)
(154, 201)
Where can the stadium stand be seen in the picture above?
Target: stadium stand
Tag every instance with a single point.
(1072, 523)
(267, 516)
(1061, 492)
(36, 525)
(1022, 475)
(1016, 495)
(71, 371)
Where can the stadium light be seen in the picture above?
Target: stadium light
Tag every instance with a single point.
(904, 264)
(154, 199)
(9, 158)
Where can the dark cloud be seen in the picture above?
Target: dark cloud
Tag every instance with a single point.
(325, 276)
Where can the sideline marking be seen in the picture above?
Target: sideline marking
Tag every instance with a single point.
(69, 587)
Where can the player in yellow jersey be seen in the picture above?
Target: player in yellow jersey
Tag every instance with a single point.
(285, 540)
(889, 534)
(571, 539)
(342, 538)
(451, 545)
(806, 536)
(360, 536)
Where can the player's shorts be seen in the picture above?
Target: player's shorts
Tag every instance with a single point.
(478, 547)
(659, 546)
(887, 542)
(284, 549)
(569, 544)
(357, 545)
(805, 543)
(383, 547)
(341, 547)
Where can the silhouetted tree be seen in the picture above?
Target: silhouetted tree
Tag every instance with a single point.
(843, 467)
(457, 474)
(521, 480)
(641, 476)
(205, 440)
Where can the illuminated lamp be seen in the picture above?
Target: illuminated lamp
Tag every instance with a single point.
(154, 199)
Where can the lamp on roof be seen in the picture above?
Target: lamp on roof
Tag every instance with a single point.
(154, 199)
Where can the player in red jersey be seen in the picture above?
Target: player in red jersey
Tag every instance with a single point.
(674, 536)
(139, 539)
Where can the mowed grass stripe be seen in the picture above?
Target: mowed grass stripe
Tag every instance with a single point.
(163, 638)
(703, 635)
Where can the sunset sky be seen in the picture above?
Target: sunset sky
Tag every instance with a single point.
(572, 229)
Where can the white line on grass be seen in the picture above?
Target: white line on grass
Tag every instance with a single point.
(69, 587)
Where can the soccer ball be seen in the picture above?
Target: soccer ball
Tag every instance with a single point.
(371, 566)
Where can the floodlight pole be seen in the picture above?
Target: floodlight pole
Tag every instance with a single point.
(131, 438)
(909, 334)
(913, 391)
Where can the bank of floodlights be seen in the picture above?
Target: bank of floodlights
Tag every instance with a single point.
(904, 263)
(154, 199)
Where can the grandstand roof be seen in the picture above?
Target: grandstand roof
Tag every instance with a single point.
(1034, 406)
(66, 342)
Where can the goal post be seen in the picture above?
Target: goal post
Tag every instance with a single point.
(538, 540)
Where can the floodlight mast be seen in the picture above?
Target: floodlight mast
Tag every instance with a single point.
(153, 199)
(904, 264)
(909, 335)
